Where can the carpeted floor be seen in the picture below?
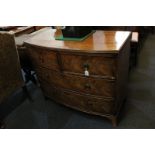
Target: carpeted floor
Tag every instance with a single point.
(138, 111)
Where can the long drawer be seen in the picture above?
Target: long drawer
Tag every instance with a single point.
(96, 65)
(77, 101)
(88, 85)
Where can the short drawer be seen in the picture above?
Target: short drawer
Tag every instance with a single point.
(80, 102)
(96, 65)
(88, 85)
(43, 58)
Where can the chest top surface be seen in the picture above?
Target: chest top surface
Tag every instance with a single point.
(98, 42)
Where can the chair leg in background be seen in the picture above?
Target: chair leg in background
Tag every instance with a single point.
(25, 90)
(29, 76)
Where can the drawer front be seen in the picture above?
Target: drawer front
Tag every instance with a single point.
(94, 86)
(96, 65)
(78, 101)
(43, 58)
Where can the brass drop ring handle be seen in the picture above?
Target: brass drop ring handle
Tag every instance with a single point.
(86, 65)
(87, 86)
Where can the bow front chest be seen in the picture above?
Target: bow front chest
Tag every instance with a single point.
(89, 75)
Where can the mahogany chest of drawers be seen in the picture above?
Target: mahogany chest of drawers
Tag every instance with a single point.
(90, 75)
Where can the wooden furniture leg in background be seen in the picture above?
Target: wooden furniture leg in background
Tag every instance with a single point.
(2, 124)
(114, 121)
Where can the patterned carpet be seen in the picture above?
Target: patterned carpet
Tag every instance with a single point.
(138, 112)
